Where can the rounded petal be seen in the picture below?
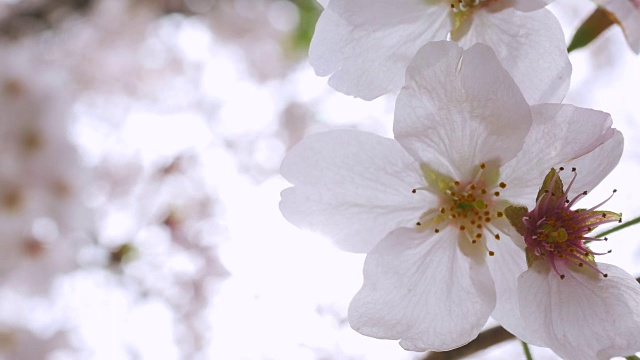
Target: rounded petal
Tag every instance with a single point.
(583, 316)
(595, 166)
(366, 45)
(563, 135)
(506, 265)
(353, 187)
(458, 109)
(423, 288)
(530, 45)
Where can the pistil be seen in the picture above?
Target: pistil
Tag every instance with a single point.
(554, 232)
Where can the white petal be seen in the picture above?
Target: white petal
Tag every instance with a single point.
(459, 110)
(627, 12)
(562, 135)
(421, 288)
(531, 46)
(506, 265)
(584, 316)
(367, 44)
(595, 166)
(529, 5)
(352, 186)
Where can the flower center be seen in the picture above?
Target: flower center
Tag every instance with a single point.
(555, 232)
(469, 206)
(466, 5)
(461, 11)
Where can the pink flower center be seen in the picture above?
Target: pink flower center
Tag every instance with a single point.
(555, 232)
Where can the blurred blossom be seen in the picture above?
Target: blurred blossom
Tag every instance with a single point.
(70, 203)
(44, 215)
(17, 343)
(262, 39)
(169, 250)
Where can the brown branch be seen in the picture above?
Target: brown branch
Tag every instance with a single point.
(485, 340)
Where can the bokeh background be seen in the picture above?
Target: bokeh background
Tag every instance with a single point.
(140, 142)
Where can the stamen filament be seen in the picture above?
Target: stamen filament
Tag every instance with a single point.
(555, 232)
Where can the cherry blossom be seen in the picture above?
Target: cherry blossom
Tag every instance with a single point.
(44, 216)
(428, 206)
(625, 13)
(579, 308)
(366, 45)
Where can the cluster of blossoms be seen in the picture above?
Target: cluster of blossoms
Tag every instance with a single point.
(442, 209)
(43, 215)
(62, 207)
(43, 218)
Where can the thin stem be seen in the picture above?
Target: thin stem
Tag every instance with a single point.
(619, 227)
(527, 352)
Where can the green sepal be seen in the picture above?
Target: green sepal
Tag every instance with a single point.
(598, 22)
(300, 38)
(590, 258)
(531, 257)
(609, 215)
(515, 214)
(556, 191)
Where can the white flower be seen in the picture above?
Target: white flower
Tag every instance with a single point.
(562, 297)
(626, 13)
(366, 45)
(428, 205)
